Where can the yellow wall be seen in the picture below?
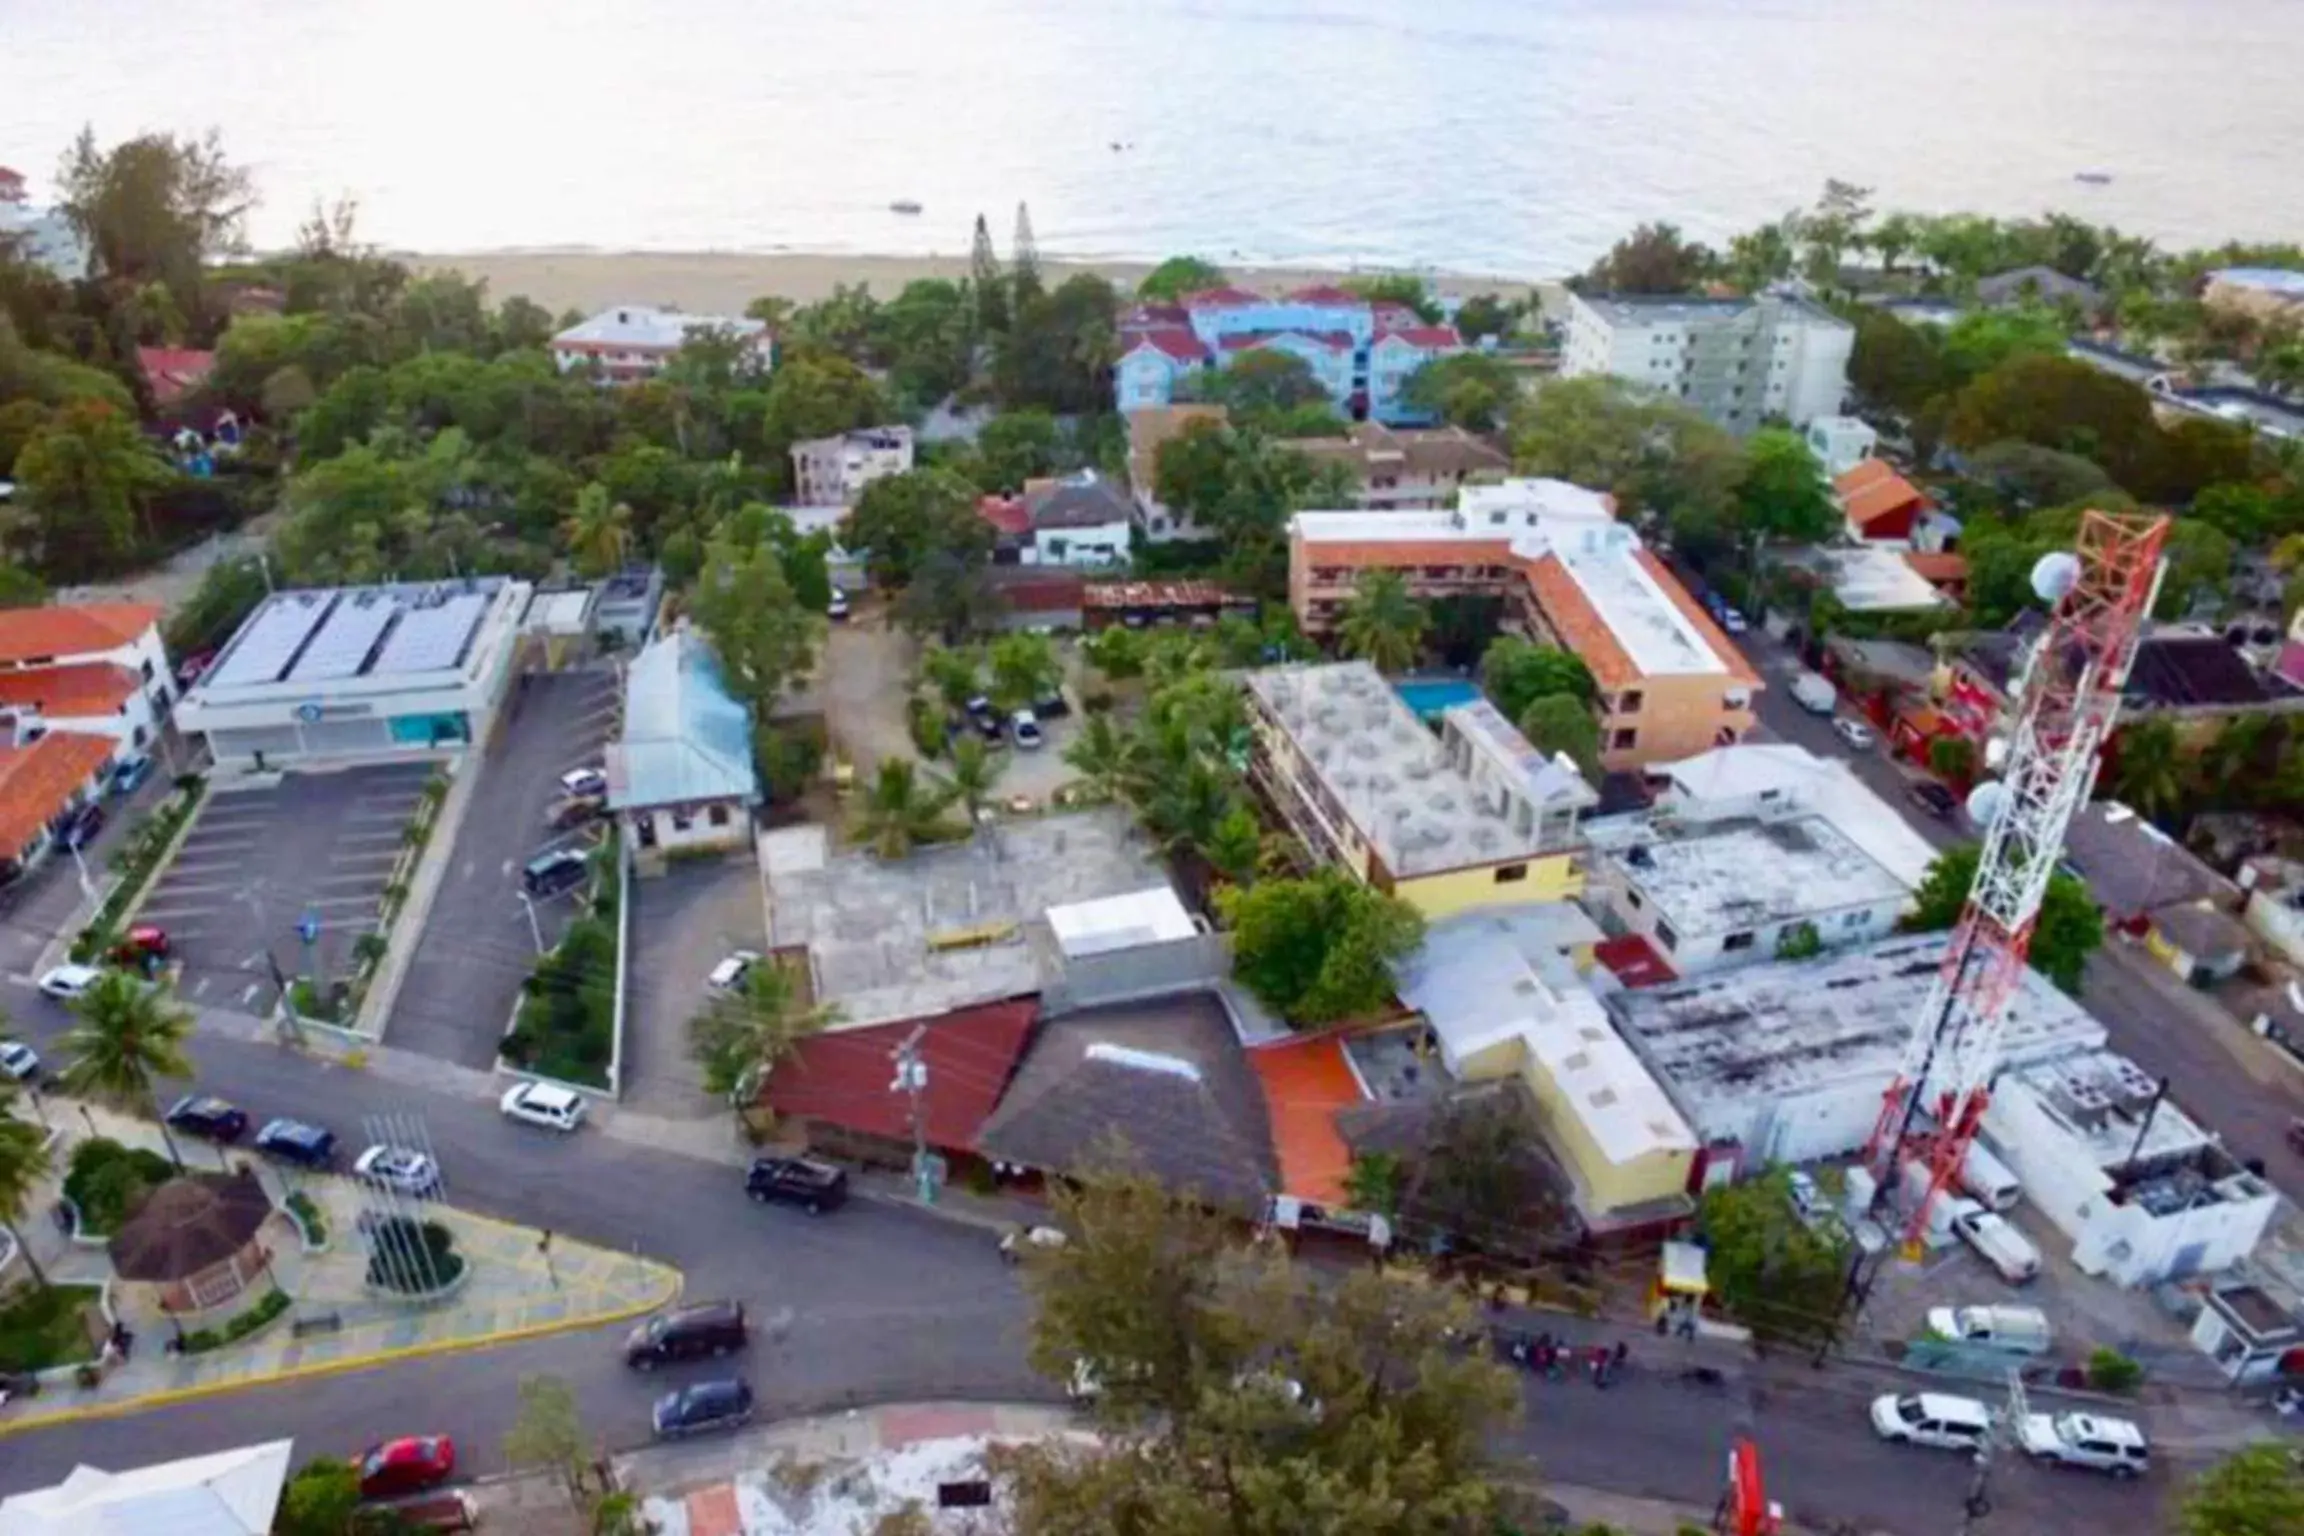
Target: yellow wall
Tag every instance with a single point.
(1678, 717)
(1502, 1059)
(1608, 1185)
(1552, 877)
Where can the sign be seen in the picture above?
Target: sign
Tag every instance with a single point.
(308, 927)
(310, 713)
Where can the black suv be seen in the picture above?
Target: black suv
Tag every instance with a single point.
(1934, 798)
(204, 1115)
(815, 1187)
(686, 1333)
(553, 873)
(295, 1141)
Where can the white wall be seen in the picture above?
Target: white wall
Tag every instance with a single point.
(2274, 921)
(1100, 544)
(733, 830)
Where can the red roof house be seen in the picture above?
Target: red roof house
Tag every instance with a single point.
(840, 1078)
(40, 637)
(1879, 503)
(1006, 514)
(37, 783)
(174, 372)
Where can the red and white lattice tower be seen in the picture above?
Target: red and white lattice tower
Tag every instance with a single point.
(2057, 721)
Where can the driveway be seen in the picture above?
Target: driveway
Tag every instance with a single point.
(684, 922)
(44, 903)
(259, 862)
(476, 947)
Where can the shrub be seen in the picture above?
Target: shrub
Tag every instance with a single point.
(108, 1181)
(308, 1216)
(47, 1327)
(567, 1021)
(274, 1303)
(2111, 1371)
(412, 1257)
(369, 949)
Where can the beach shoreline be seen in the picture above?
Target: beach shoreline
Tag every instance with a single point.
(723, 282)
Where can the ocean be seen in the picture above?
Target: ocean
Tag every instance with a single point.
(1510, 137)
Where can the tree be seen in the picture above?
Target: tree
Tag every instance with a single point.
(2255, 1491)
(1799, 941)
(1103, 755)
(1952, 758)
(2070, 929)
(2148, 769)
(2030, 476)
(975, 770)
(1653, 456)
(1783, 495)
(741, 1034)
(1405, 289)
(155, 209)
(1235, 845)
(1772, 1270)
(1471, 390)
(1486, 314)
(1261, 384)
(1561, 722)
(1017, 446)
(956, 672)
(900, 520)
(989, 283)
(1372, 1184)
(1178, 276)
(126, 1036)
(1983, 339)
(85, 479)
(1896, 365)
(549, 1433)
(898, 813)
(1024, 258)
(24, 1165)
(598, 533)
(760, 633)
(1317, 949)
(1382, 624)
(1654, 258)
(817, 395)
(949, 598)
(1059, 348)
(1024, 670)
(2057, 403)
(319, 1500)
(927, 333)
(1515, 673)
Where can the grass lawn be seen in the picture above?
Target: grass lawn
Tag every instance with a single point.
(44, 1328)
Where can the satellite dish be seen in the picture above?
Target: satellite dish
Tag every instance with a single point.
(2055, 574)
(1986, 801)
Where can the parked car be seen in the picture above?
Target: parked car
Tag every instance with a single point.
(1935, 1419)
(80, 825)
(2009, 1330)
(1024, 730)
(404, 1466)
(2085, 1440)
(1052, 706)
(18, 1060)
(1934, 798)
(141, 945)
(2008, 1251)
(814, 1187)
(706, 1330)
(70, 981)
(706, 1406)
(987, 723)
(584, 781)
(1856, 733)
(299, 1142)
(399, 1168)
(1814, 693)
(837, 609)
(552, 873)
(729, 974)
(558, 1109)
(572, 811)
(128, 777)
(205, 1115)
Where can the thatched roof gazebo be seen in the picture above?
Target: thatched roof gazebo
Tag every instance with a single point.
(197, 1240)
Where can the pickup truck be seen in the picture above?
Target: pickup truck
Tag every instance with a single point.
(814, 1187)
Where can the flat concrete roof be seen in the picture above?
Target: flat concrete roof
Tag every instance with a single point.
(2104, 1100)
(331, 634)
(1721, 876)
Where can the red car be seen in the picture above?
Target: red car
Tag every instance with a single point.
(142, 943)
(405, 1466)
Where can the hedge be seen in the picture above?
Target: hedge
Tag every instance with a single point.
(108, 1181)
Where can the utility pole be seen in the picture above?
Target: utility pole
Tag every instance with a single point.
(2002, 1437)
(912, 1079)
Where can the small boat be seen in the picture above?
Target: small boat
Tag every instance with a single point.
(2093, 178)
(904, 205)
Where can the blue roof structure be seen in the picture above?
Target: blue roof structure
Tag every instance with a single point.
(685, 739)
(2278, 280)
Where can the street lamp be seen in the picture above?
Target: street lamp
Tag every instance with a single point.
(535, 929)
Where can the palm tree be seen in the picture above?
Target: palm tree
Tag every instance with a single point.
(598, 533)
(1105, 755)
(1382, 624)
(23, 1164)
(955, 672)
(898, 813)
(975, 769)
(129, 1034)
(2148, 768)
(741, 1035)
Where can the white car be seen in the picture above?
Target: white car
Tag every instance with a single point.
(1932, 1418)
(1854, 732)
(588, 782)
(18, 1060)
(1024, 730)
(69, 981)
(400, 1169)
(2085, 1440)
(837, 609)
(729, 974)
(542, 1104)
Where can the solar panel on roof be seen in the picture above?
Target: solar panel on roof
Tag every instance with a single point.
(271, 640)
(433, 632)
(342, 647)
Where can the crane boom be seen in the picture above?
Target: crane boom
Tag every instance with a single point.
(2059, 717)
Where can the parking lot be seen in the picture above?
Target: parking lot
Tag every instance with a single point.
(684, 922)
(477, 947)
(260, 861)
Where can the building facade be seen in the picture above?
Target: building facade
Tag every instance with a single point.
(633, 342)
(1672, 685)
(94, 667)
(1081, 519)
(1362, 353)
(833, 471)
(1407, 468)
(1735, 361)
(680, 774)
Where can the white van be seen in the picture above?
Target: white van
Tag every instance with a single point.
(2010, 1330)
(1815, 693)
(1988, 1179)
(2007, 1250)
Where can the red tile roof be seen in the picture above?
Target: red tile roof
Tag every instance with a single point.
(1305, 1082)
(1006, 514)
(1221, 298)
(37, 781)
(841, 1077)
(1634, 961)
(1160, 594)
(1941, 569)
(84, 688)
(1422, 335)
(1145, 317)
(174, 372)
(1873, 492)
(1326, 293)
(56, 632)
(1179, 344)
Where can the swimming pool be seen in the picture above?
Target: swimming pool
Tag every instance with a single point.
(1429, 696)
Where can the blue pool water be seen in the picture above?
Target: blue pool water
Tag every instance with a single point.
(1430, 695)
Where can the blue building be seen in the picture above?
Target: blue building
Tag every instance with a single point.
(680, 777)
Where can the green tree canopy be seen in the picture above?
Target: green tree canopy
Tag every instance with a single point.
(817, 394)
(1471, 390)
(1654, 258)
(1515, 673)
(155, 209)
(1016, 446)
(762, 635)
(1178, 276)
(1318, 948)
(1783, 494)
(900, 520)
(2255, 1491)
(85, 480)
(1774, 1272)
(1560, 722)
(2070, 928)
(1402, 288)
(1382, 624)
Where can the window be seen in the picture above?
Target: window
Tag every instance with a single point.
(1856, 919)
(683, 819)
(1623, 740)
(1665, 936)
(1628, 702)
(1632, 899)
(1736, 941)
(717, 815)
(1507, 873)
(147, 669)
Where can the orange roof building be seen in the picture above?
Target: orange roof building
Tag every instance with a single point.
(43, 637)
(39, 782)
(1880, 504)
(1305, 1083)
(80, 690)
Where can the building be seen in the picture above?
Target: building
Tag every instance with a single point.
(41, 783)
(1139, 944)
(351, 673)
(1735, 361)
(99, 668)
(1150, 428)
(1362, 353)
(1081, 519)
(2036, 285)
(1736, 891)
(1787, 1062)
(1039, 598)
(1766, 780)
(172, 373)
(230, 1493)
(632, 341)
(833, 1086)
(2143, 1192)
(1671, 683)
(1477, 818)
(2196, 680)
(2265, 293)
(2134, 869)
(1878, 505)
(1308, 1082)
(680, 774)
(1138, 604)
(2202, 944)
(1502, 1000)
(45, 236)
(1840, 443)
(833, 471)
(624, 615)
(1867, 578)
(1406, 467)
(2250, 1335)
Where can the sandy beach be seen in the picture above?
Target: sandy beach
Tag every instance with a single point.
(716, 282)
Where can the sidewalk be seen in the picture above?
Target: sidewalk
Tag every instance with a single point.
(511, 1290)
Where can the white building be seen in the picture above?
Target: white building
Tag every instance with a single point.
(97, 667)
(1731, 892)
(1082, 519)
(632, 342)
(1840, 443)
(2144, 1193)
(360, 673)
(680, 777)
(833, 471)
(1788, 1061)
(1737, 361)
(231, 1493)
(1766, 780)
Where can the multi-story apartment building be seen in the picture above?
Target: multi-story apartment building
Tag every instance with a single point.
(1737, 361)
(632, 342)
(1406, 467)
(833, 471)
(1361, 352)
(1671, 684)
(1477, 818)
